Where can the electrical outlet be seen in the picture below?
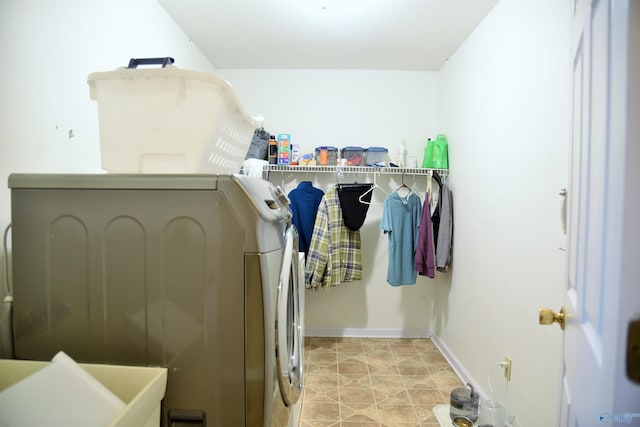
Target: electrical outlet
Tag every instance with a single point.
(507, 368)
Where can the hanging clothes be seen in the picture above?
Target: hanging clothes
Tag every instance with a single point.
(305, 199)
(445, 229)
(354, 211)
(435, 202)
(425, 254)
(400, 221)
(335, 254)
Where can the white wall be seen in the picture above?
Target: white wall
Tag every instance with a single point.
(364, 108)
(48, 49)
(343, 107)
(505, 105)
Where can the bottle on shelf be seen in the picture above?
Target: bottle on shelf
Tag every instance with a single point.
(273, 150)
(401, 155)
(436, 153)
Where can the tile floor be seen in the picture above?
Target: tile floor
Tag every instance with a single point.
(374, 382)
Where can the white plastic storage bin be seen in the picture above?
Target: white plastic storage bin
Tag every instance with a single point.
(62, 393)
(168, 120)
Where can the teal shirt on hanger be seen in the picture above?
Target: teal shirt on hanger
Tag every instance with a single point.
(400, 222)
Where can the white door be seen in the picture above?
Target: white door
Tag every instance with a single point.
(603, 270)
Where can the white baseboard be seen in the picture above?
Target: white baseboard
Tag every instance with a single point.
(368, 332)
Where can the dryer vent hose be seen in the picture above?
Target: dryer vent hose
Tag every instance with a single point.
(6, 343)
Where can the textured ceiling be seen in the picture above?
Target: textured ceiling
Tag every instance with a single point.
(328, 34)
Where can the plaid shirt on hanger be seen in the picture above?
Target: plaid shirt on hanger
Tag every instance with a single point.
(335, 251)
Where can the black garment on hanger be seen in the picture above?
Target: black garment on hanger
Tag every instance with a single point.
(354, 211)
(435, 217)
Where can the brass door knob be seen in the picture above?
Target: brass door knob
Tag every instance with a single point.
(548, 316)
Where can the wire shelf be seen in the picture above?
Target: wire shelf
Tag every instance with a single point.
(353, 169)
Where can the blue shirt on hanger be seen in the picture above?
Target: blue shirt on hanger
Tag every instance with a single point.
(400, 221)
(305, 199)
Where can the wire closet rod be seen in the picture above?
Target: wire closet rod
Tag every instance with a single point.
(354, 169)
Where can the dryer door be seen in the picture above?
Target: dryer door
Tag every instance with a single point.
(288, 323)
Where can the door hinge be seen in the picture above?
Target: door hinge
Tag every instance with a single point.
(633, 351)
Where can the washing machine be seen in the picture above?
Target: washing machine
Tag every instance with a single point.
(196, 273)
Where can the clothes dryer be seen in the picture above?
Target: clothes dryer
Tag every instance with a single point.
(196, 273)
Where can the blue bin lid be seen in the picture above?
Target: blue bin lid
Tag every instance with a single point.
(327, 147)
(353, 148)
(378, 149)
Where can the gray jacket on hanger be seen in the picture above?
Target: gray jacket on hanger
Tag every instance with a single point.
(445, 229)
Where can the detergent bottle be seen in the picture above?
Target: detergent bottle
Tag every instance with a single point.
(427, 160)
(436, 153)
(441, 152)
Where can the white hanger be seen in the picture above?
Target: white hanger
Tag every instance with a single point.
(373, 187)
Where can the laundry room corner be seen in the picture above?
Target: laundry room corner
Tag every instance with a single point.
(404, 107)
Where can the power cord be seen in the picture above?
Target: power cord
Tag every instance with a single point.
(512, 422)
(6, 259)
(5, 313)
(493, 402)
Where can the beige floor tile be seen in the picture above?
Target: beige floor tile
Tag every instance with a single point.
(413, 370)
(423, 344)
(374, 382)
(353, 367)
(359, 413)
(349, 347)
(402, 341)
(410, 360)
(383, 371)
(425, 396)
(323, 357)
(425, 414)
(446, 380)
(387, 381)
(320, 395)
(433, 357)
(321, 344)
(321, 411)
(381, 360)
(354, 380)
(350, 339)
(349, 423)
(396, 396)
(314, 423)
(435, 368)
(377, 347)
(418, 381)
(313, 367)
(321, 380)
(357, 395)
(403, 349)
(351, 357)
(395, 414)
